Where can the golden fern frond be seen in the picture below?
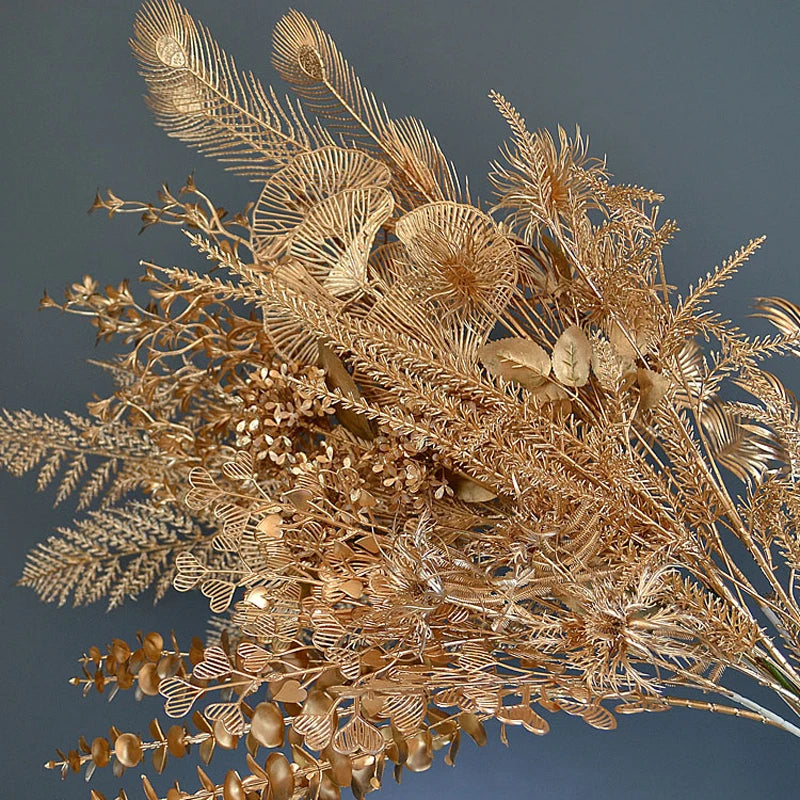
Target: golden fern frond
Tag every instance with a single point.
(707, 287)
(28, 439)
(200, 97)
(309, 60)
(745, 449)
(114, 552)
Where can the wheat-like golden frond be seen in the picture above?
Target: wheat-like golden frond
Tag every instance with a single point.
(116, 553)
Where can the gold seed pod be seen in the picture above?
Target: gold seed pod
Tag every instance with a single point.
(281, 777)
(267, 726)
(153, 646)
(101, 751)
(420, 751)
(128, 749)
(95, 795)
(225, 740)
(232, 789)
(176, 741)
(149, 679)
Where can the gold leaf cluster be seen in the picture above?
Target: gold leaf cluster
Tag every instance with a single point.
(431, 462)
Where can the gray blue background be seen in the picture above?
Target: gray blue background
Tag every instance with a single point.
(696, 99)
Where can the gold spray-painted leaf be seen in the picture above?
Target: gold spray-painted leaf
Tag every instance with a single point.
(470, 491)
(215, 664)
(653, 387)
(281, 777)
(337, 377)
(519, 360)
(228, 714)
(220, 593)
(189, 571)
(572, 356)
(267, 726)
(358, 736)
(335, 238)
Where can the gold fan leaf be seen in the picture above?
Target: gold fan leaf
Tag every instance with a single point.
(461, 259)
(288, 335)
(783, 314)
(335, 237)
(746, 449)
(689, 369)
(200, 97)
(306, 181)
(519, 360)
(572, 357)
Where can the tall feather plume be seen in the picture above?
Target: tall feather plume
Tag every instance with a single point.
(308, 59)
(200, 97)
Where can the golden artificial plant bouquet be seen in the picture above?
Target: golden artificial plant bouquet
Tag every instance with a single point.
(431, 463)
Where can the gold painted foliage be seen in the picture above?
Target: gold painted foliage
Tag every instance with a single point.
(431, 463)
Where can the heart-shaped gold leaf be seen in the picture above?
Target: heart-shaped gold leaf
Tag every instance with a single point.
(290, 691)
(180, 696)
(358, 736)
(215, 664)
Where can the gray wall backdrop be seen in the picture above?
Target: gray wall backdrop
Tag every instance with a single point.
(698, 100)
